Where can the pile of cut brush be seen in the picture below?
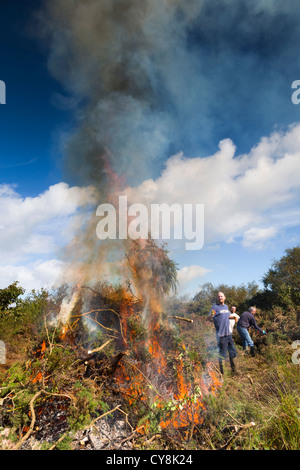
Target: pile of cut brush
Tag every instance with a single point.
(103, 380)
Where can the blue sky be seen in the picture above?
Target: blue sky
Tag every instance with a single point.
(28, 120)
(148, 83)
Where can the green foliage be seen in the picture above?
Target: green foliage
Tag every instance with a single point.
(203, 300)
(10, 295)
(283, 279)
(240, 296)
(23, 319)
(15, 396)
(85, 406)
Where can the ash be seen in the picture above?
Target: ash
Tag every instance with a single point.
(107, 434)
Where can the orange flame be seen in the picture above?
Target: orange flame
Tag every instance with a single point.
(181, 403)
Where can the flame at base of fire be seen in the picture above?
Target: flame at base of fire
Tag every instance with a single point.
(175, 403)
(167, 381)
(187, 406)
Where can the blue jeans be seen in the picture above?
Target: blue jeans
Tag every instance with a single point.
(245, 337)
(225, 344)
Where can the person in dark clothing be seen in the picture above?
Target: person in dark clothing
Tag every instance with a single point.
(221, 315)
(246, 321)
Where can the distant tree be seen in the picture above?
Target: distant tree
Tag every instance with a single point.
(10, 295)
(204, 298)
(240, 296)
(19, 314)
(283, 279)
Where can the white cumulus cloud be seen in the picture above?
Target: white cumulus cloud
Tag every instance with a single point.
(248, 198)
(33, 229)
(188, 274)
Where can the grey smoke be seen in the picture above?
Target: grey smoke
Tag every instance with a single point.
(152, 77)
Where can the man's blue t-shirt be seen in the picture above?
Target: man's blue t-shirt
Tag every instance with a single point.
(220, 315)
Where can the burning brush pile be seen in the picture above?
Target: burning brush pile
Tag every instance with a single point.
(151, 370)
(110, 370)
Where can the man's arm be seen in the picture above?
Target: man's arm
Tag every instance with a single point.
(254, 325)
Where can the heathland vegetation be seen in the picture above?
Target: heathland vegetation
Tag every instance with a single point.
(159, 375)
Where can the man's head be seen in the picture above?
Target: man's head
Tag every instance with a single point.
(252, 310)
(221, 298)
(233, 309)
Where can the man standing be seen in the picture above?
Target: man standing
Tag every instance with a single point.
(233, 321)
(221, 315)
(246, 320)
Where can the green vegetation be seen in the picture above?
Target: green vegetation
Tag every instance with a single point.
(47, 369)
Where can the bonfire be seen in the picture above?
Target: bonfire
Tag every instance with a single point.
(150, 367)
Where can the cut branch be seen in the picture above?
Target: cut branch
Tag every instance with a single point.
(31, 427)
(100, 348)
(115, 362)
(102, 416)
(103, 310)
(181, 318)
(33, 416)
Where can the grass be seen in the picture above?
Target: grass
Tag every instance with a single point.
(266, 393)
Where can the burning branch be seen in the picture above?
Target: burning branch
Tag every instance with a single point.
(146, 378)
(115, 362)
(130, 264)
(146, 256)
(100, 324)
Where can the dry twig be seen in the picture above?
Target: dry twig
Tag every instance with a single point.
(100, 348)
(234, 436)
(103, 310)
(59, 440)
(103, 415)
(31, 427)
(181, 318)
(33, 417)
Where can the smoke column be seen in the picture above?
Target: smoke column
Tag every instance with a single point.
(152, 77)
(113, 56)
(113, 59)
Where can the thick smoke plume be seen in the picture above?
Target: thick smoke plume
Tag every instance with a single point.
(148, 78)
(114, 57)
